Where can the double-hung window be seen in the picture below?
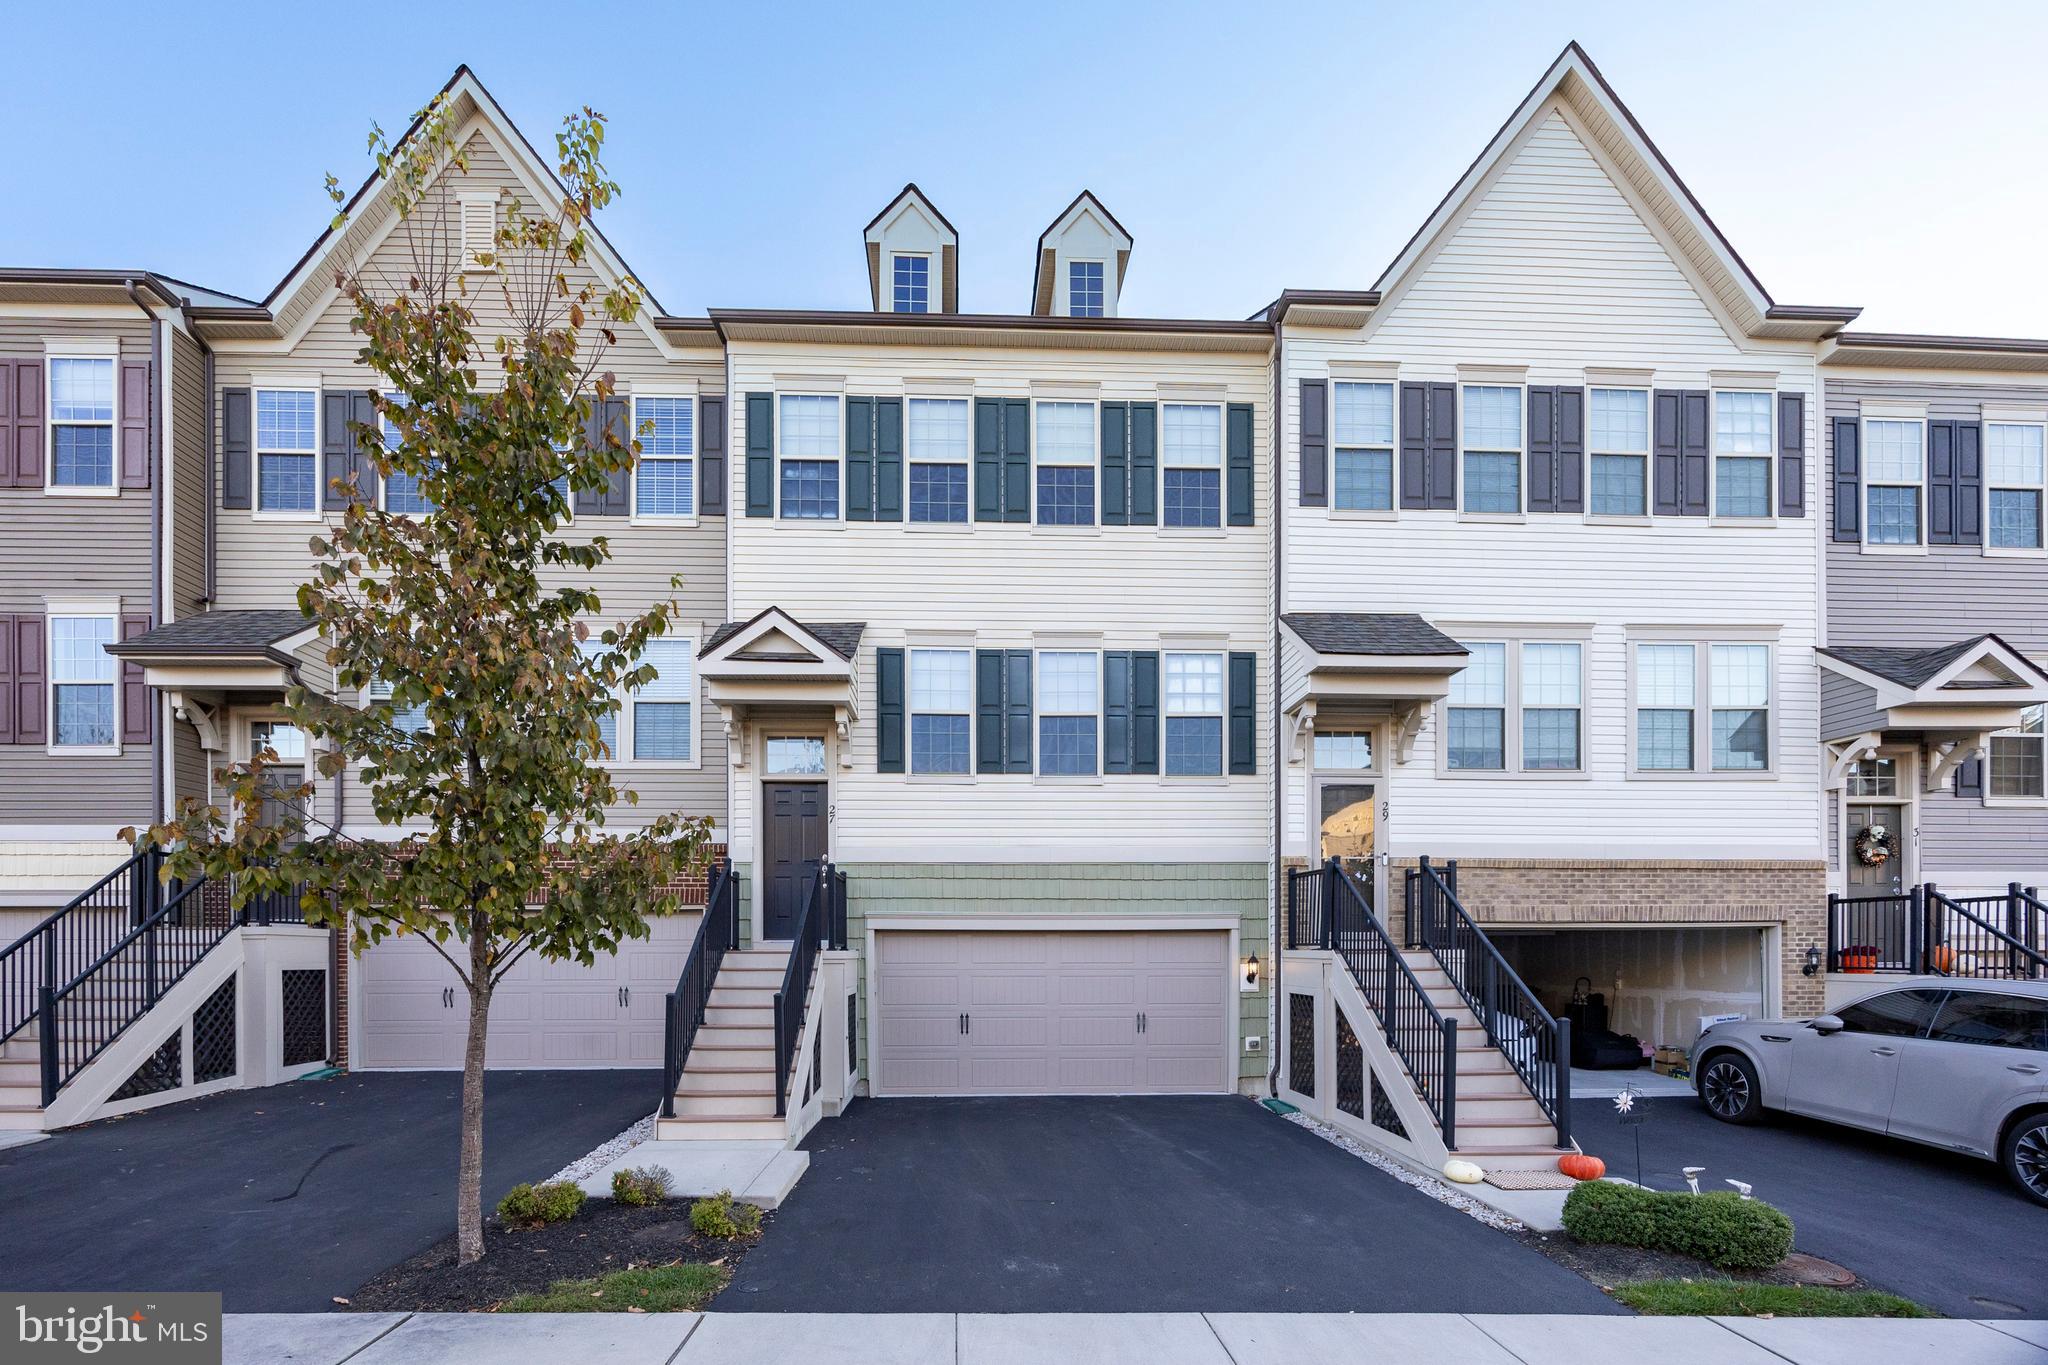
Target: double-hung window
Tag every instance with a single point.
(912, 284)
(2016, 765)
(608, 723)
(1476, 711)
(408, 720)
(941, 702)
(82, 423)
(1066, 464)
(403, 492)
(665, 475)
(1666, 679)
(1739, 690)
(663, 707)
(1194, 715)
(937, 444)
(1551, 706)
(287, 451)
(1191, 464)
(1895, 468)
(1743, 442)
(1364, 440)
(807, 439)
(1084, 289)
(1069, 712)
(1492, 449)
(81, 682)
(1672, 729)
(1618, 438)
(2013, 485)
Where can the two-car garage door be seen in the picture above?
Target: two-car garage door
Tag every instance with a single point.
(1017, 1013)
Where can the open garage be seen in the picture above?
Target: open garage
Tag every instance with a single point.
(1657, 984)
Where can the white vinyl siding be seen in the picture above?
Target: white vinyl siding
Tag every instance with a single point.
(1894, 478)
(938, 446)
(287, 451)
(1744, 441)
(1193, 687)
(1618, 446)
(81, 407)
(1063, 443)
(941, 705)
(2013, 485)
(1490, 476)
(665, 474)
(808, 446)
(1362, 435)
(83, 704)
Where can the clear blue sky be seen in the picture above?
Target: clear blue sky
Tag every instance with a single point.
(1894, 157)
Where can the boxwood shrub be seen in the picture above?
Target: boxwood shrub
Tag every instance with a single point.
(1721, 1228)
(535, 1205)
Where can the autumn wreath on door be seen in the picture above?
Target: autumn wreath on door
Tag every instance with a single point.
(1875, 846)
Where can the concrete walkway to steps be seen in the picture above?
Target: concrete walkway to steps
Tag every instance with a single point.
(756, 1171)
(1113, 1339)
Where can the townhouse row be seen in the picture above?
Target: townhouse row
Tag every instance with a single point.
(1563, 551)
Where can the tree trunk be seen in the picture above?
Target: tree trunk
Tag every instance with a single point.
(469, 1210)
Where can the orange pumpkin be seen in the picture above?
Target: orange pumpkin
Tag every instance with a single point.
(1579, 1166)
(1942, 958)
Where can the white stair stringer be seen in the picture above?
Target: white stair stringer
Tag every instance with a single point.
(1423, 1148)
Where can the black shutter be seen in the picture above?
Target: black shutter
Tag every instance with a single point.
(711, 455)
(1116, 711)
(860, 459)
(237, 477)
(1693, 453)
(1017, 711)
(1571, 450)
(1237, 474)
(1016, 460)
(591, 502)
(888, 459)
(1970, 779)
(1145, 711)
(363, 409)
(1969, 484)
(1791, 454)
(761, 456)
(337, 454)
(1848, 480)
(1244, 701)
(1542, 448)
(1443, 446)
(1116, 464)
(1144, 464)
(1315, 443)
(888, 709)
(1415, 445)
(1669, 478)
(1941, 483)
(988, 710)
(618, 494)
(988, 459)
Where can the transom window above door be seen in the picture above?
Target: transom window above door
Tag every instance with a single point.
(1874, 777)
(793, 756)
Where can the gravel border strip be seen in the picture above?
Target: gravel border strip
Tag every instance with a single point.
(1435, 1189)
(602, 1155)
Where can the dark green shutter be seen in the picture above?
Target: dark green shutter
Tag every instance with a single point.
(888, 708)
(888, 459)
(1144, 464)
(1016, 461)
(1237, 476)
(1116, 710)
(988, 710)
(1145, 711)
(1116, 468)
(860, 459)
(988, 459)
(711, 455)
(1017, 711)
(1244, 701)
(761, 456)
(237, 474)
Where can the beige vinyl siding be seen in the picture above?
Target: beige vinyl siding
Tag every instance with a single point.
(191, 451)
(260, 561)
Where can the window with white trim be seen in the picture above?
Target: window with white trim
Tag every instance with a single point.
(1069, 712)
(1672, 729)
(1894, 472)
(408, 720)
(1343, 750)
(1194, 714)
(1363, 437)
(941, 707)
(2013, 485)
(938, 447)
(1740, 693)
(1666, 678)
(1618, 445)
(1064, 447)
(2016, 759)
(82, 701)
(1084, 289)
(1492, 449)
(665, 474)
(608, 723)
(793, 756)
(807, 443)
(1475, 714)
(1744, 439)
(403, 492)
(1518, 706)
(287, 450)
(662, 710)
(1191, 464)
(911, 286)
(81, 422)
(1551, 688)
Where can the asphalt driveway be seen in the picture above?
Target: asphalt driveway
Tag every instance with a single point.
(1940, 1228)
(1121, 1205)
(284, 1197)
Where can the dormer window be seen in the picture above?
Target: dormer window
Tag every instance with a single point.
(913, 284)
(1084, 289)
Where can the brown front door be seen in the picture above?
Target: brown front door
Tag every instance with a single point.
(795, 846)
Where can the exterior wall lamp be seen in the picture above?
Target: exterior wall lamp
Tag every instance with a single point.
(1812, 966)
(1251, 973)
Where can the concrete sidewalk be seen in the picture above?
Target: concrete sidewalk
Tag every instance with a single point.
(1113, 1339)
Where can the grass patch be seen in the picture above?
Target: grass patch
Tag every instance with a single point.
(653, 1289)
(1735, 1298)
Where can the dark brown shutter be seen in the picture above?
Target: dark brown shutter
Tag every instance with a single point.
(237, 475)
(1848, 480)
(1443, 446)
(1791, 454)
(1415, 445)
(711, 455)
(1571, 450)
(1969, 483)
(1315, 443)
(21, 424)
(136, 392)
(30, 680)
(1694, 438)
(1542, 448)
(6, 679)
(138, 706)
(1668, 471)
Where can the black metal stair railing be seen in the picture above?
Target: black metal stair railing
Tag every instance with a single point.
(1924, 931)
(718, 933)
(820, 923)
(79, 934)
(1537, 1045)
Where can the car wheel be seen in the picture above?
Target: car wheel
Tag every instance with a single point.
(2026, 1156)
(1728, 1085)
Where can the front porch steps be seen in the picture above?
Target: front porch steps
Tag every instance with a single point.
(728, 1085)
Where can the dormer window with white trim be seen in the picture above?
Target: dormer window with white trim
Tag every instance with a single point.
(912, 287)
(913, 257)
(1082, 257)
(1084, 289)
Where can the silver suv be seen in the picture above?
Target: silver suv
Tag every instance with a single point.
(1955, 1064)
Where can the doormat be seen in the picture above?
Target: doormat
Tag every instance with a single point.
(1529, 1180)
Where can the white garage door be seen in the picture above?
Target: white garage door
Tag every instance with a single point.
(994, 1013)
(415, 1014)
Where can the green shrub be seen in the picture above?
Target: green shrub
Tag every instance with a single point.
(640, 1185)
(534, 1205)
(1721, 1228)
(719, 1216)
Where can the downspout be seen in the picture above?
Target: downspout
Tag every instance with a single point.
(154, 462)
(1276, 904)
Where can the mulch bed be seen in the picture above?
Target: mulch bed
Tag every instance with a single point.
(1608, 1266)
(602, 1238)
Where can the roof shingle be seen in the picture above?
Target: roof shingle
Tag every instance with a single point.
(1343, 632)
